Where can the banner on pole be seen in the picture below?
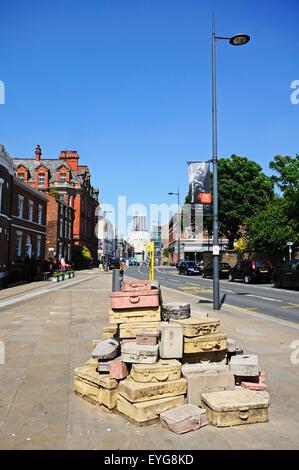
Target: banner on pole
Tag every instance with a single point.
(199, 182)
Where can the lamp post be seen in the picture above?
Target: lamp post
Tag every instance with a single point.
(238, 40)
(179, 222)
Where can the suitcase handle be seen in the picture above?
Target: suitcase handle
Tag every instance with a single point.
(194, 423)
(211, 345)
(244, 413)
(135, 299)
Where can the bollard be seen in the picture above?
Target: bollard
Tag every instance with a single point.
(116, 280)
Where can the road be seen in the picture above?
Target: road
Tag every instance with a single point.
(260, 298)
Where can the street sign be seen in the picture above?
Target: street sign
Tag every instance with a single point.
(216, 250)
(290, 243)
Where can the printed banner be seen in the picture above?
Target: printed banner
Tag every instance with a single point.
(199, 182)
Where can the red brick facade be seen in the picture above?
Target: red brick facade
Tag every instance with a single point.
(6, 178)
(60, 218)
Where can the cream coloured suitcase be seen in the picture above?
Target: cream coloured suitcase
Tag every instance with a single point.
(147, 412)
(137, 391)
(131, 330)
(235, 407)
(184, 419)
(95, 388)
(164, 370)
(132, 352)
(198, 326)
(205, 357)
(134, 315)
(203, 344)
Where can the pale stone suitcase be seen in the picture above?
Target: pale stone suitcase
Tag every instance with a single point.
(209, 368)
(147, 412)
(137, 391)
(198, 326)
(160, 372)
(205, 357)
(104, 366)
(131, 330)
(106, 350)
(133, 315)
(171, 341)
(140, 354)
(97, 389)
(198, 384)
(245, 366)
(135, 299)
(147, 337)
(209, 343)
(175, 311)
(184, 419)
(235, 407)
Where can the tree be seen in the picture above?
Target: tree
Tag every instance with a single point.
(82, 256)
(287, 181)
(166, 252)
(243, 190)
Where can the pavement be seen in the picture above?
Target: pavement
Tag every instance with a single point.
(47, 336)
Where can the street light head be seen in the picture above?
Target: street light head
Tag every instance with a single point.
(239, 39)
(170, 194)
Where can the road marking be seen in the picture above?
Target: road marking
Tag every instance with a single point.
(264, 298)
(291, 305)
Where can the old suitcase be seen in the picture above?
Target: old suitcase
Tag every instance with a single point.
(207, 382)
(199, 368)
(160, 372)
(106, 350)
(171, 341)
(95, 388)
(184, 418)
(147, 337)
(175, 311)
(147, 412)
(135, 315)
(258, 387)
(109, 331)
(137, 391)
(127, 286)
(104, 366)
(209, 343)
(198, 326)
(140, 354)
(246, 365)
(118, 370)
(135, 299)
(131, 330)
(235, 407)
(205, 357)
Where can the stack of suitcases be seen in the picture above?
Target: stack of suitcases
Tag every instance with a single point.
(157, 361)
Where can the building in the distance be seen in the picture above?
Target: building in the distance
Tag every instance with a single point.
(68, 181)
(138, 237)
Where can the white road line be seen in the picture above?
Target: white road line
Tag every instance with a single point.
(264, 298)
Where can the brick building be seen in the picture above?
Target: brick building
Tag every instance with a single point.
(28, 223)
(6, 179)
(69, 182)
(60, 219)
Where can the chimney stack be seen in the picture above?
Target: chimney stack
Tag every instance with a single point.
(38, 153)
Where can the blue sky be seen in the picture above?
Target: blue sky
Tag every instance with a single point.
(127, 83)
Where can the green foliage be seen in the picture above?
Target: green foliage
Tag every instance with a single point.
(166, 252)
(82, 256)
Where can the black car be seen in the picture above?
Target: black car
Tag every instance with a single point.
(251, 270)
(287, 274)
(188, 267)
(224, 270)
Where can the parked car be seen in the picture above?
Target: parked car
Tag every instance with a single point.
(251, 270)
(224, 270)
(188, 267)
(287, 274)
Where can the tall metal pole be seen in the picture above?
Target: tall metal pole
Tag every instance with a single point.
(216, 296)
(179, 228)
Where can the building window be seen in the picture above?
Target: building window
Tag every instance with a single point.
(70, 231)
(60, 251)
(61, 228)
(71, 201)
(62, 177)
(69, 252)
(41, 179)
(21, 176)
(65, 229)
(1, 185)
(38, 246)
(20, 206)
(19, 244)
(40, 215)
(30, 211)
(61, 209)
